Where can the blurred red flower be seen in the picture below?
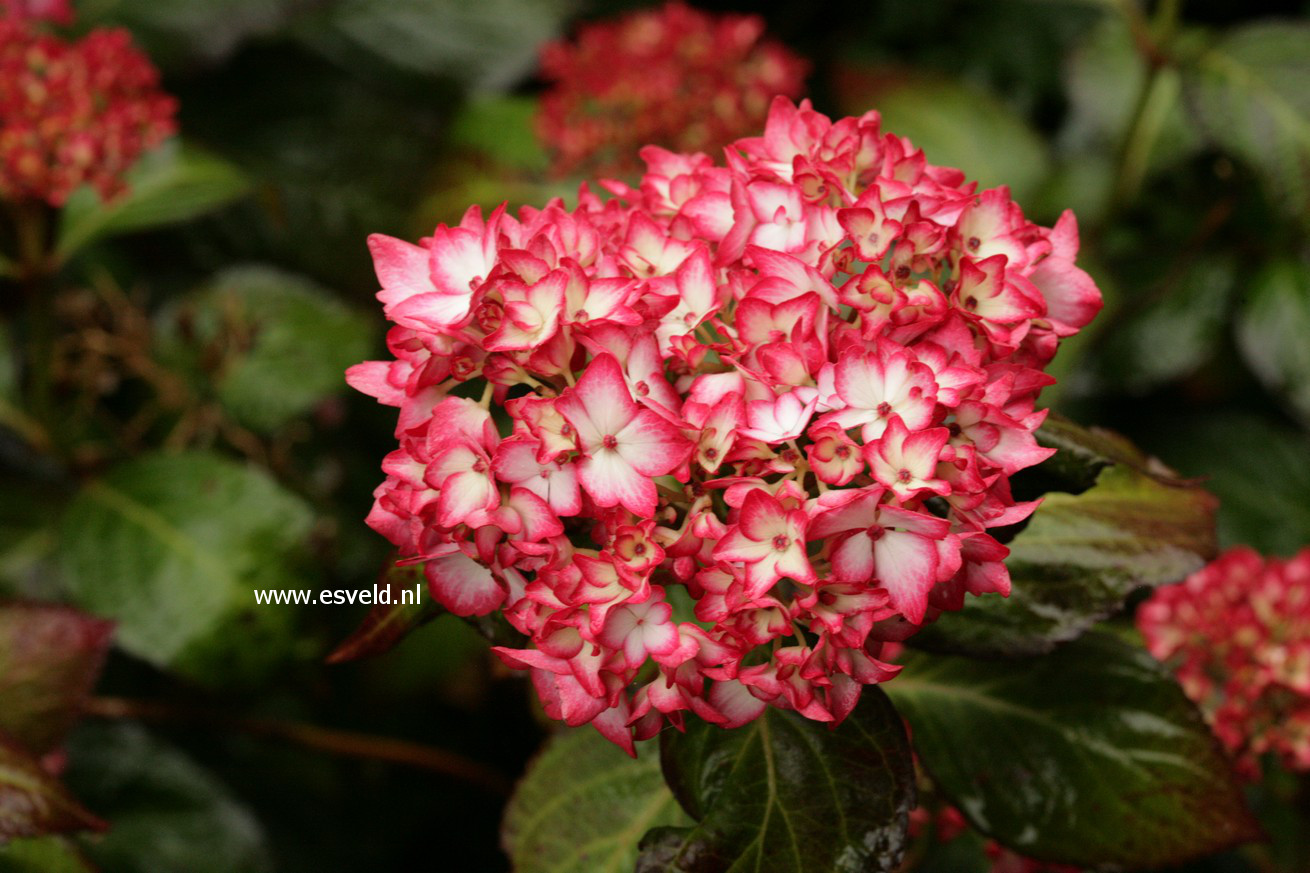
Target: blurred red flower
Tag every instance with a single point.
(1237, 633)
(58, 11)
(674, 77)
(74, 112)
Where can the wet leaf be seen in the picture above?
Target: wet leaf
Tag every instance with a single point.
(1089, 756)
(1274, 332)
(1082, 554)
(583, 806)
(50, 658)
(388, 623)
(788, 795)
(171, 546)
(32, 802)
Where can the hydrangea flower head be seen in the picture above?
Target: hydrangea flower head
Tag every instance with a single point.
(1237, 633)
(73, 113)
(673, 76)
(758, 419)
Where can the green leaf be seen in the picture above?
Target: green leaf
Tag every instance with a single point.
(283, 343)
(43, 855)
(1088, 756)
(388, 623)
(583, 805)
(485, 46)
(171, 184)
(1274, 333)
(502, 129)
(171, 547)
(788, 795)
(50, 659)
(1082, 554)
(960, 126)
(1251, 92)
(169, 814)
(32, 802)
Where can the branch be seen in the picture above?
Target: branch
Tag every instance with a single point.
(338, 742)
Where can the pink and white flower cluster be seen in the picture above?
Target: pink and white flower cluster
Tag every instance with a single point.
(1237, 634)
(742, 425)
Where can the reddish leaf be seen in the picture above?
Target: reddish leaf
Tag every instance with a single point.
(34, 803)
(50, 658)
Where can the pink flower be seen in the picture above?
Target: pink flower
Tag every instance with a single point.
(517, 463)
(874, 386)
(433, 286)
(906, 463)
(770, 541)
(623, 445)
(779, 420)
(904, 552)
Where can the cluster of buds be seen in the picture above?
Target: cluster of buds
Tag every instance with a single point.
(1237, 633)
(752, 422)
(674, 77)
(74, 112)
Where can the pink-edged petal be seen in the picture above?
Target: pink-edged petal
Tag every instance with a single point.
(371, 378)
(737, 546)
(527, 659)
(762, 516)
(852, 560)
(463, 494)
(401, 267)
(460, 260)
(651, 445)
(735, 703)
(600, 404)
(462, 585)
(431, 311)
(612, 481)
(907, 568)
